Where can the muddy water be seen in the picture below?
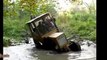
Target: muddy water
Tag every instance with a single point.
(29, 52)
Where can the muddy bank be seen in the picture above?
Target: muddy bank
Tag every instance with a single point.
(29, 52)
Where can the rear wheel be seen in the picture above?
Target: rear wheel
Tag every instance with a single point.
(74, 46)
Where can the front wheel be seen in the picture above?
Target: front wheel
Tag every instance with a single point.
(37, 44)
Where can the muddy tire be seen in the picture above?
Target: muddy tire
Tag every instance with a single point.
(74, 46)
(37, 44)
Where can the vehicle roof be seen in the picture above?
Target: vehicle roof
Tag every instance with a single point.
(37, 18)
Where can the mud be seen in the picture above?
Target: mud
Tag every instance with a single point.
(29, 52)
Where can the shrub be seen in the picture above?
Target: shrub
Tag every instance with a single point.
(78, 23)
(13, 29)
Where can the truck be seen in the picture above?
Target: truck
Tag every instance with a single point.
(46, 34)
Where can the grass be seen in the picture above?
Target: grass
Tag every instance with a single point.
(13, 29)
(81, 24)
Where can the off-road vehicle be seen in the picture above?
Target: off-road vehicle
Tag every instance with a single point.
(46, 34)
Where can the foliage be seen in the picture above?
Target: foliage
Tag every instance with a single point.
(16, 14)
(13, 28)
(81, 24)
(6, 41)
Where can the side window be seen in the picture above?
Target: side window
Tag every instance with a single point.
(42, 25)
(34, 29)
(48, 21)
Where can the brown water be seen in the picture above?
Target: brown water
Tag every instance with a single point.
(29, 52)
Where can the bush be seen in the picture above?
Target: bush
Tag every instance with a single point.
(78, 23)
(6, 41)
(13, 29)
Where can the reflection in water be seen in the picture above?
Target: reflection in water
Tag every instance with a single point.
(29, 52)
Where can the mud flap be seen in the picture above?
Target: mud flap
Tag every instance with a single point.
(74, 46)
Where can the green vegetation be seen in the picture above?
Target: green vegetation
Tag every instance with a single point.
(6, 41)
(14, 28)
(71, 23)
(81, 24)
(16, 14)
